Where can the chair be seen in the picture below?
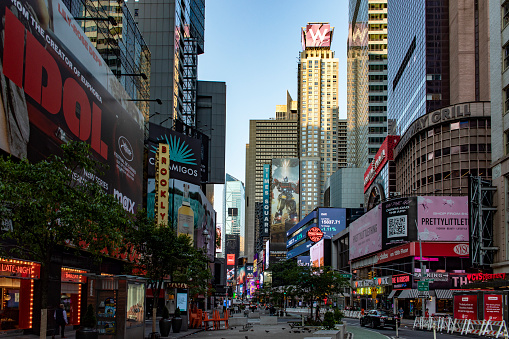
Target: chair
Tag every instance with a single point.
(196, 321)
(207, 320)
(218, 319)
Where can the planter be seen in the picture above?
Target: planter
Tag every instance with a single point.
(87, 333)
(164, 327)
(176, 323)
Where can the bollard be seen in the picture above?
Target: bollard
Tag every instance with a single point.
(434, 331)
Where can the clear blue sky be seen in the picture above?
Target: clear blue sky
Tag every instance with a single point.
(254, 47)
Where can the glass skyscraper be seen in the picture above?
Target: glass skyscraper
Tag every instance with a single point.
(234, 210)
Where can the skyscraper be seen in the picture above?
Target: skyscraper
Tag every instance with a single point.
(268, 139)
(367, 80)
(318, 95)
(427, 67)
(234, 210)
(174, 32)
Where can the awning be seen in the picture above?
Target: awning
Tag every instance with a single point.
(393, 294)
(414, 294)
(443, 294)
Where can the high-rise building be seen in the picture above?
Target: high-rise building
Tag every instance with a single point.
(366, 80)
(318, 99)
(268, 139)
(499, 51)
(174, 32)
(431, 45)
(234, 209)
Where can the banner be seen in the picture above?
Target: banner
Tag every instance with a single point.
(55, 87)
(465, 307)
(266, 202)
(493, 307)
(442, 218)
(365, 234)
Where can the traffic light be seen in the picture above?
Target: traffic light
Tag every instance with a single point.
(370, 275)
(374, 274)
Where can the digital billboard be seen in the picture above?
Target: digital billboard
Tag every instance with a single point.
(443, 218)
(230, 259)
(399, 221)
(331, 221)
(365, 234)
(266, 202)
(284, 203)
(55, 87)
(316, 254)
(185, 153)
(190, 212)
(317, 35)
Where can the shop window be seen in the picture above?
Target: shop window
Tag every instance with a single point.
(135, 302)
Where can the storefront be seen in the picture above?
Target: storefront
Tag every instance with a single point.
(17, 293)
(72, 282)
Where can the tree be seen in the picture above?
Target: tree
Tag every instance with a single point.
(52, 203)
(162, 255)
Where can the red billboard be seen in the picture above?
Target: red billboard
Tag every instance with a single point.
(465, 307)
(55, 87)
(230, 259)
(384, 154)
(317, 35)
(493, 307)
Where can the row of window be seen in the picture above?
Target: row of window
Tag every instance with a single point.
(466, 148)
(485, 172)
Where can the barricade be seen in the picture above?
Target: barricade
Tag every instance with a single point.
(473, 327)
(495, 332)
(417, 321)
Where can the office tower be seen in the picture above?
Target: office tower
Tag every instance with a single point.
(499, 51)
(318, 95)
(234, 209)
(366, 80)
(174, 32)
(111, 28)
(432, 44)
(268, 139)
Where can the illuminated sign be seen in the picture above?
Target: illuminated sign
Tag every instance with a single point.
(485, 276)
(230, 259)
(266, 201)
(384, 154)
(317, 35)
(162, 182)
(315, 234)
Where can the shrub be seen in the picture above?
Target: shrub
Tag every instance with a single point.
(89, 320)
(177, 313)
(166, 313)
(328, 321)
(338, 316)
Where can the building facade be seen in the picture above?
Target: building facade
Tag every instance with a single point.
(174, 32)
(344, 188)
(366, 80)
(234, 210)
(499, 51)
(268, 139)
(425, 65)
(317, 94)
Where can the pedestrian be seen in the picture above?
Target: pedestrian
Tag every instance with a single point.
(426, 314)
(60, 321)
(401, 312)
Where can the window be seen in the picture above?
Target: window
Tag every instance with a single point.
(506, 57)
(505, 13)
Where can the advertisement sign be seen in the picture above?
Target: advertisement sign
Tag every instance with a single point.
(331, 221)
(184, 151)
(465, 307)
(55, 87)
(241, 275)
(317, 254)
(384, 154)
(493, 307)
(304, 260)
(315, 234)
(182, 301)
(266, 201)
(219, 241)
(284, 204)
(249, 272)
(162, 182)
(365, 234)
(399, 220)
(401, 281)
(317, 35)
(230, 259)
(442, 218)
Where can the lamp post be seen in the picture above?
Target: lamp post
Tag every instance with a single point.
(206, 239)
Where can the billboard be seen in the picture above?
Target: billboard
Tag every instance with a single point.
(316, 254)
(384, 154)
(442, 218)
(55, 87)
(230, 259)
(303, 260)
(185, 153)
(317, 35)
(219, 241)
(399, 221)
(190, 212)
(161, 182)
(241, 275)
(266, 202)
(284, 190)
(465, 307)
(365, 234)
(331, 221)
(493, 307)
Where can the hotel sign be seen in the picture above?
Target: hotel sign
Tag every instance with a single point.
(162, 184)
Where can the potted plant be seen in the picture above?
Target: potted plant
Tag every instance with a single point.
(176, 322)
(165, 323)
(87, 329)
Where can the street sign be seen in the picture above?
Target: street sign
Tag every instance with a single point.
(345, 275)
(422, 286)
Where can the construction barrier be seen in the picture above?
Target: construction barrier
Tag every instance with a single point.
(488, 329)
(352, 314)
(463, 326)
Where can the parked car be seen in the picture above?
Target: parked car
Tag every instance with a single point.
(379, 318)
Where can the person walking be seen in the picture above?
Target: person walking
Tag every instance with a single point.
(60, 321)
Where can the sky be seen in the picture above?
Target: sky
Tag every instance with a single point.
(254, 47)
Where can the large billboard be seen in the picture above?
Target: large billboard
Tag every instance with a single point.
(399, 221)
(317, 35)
(55, 87)
(266, 202)
(284, 203)
(365, 234)
(385, 153)
(442, 218)
(331, 221)
(316, 254)
(185, 159)
(190, 212)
